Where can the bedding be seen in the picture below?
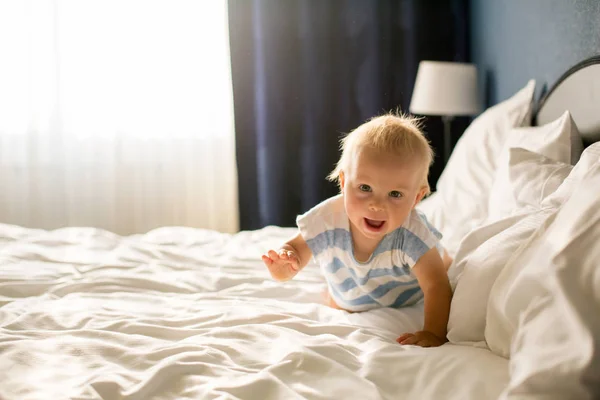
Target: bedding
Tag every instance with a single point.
(554, 352)
(519, 208)
(509, 295)
(183, 313)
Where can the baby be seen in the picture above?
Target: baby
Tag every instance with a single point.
(373, 247)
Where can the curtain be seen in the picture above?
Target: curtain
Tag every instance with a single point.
(116, 114)
(305, 72)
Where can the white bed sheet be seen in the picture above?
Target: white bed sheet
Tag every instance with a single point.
(184, 313)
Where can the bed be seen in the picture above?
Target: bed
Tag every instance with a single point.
(182, 313)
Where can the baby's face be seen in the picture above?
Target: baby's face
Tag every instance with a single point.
(380, 189)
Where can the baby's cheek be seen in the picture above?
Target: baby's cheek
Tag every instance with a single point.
(352, 206)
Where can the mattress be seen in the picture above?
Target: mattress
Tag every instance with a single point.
(186, 313)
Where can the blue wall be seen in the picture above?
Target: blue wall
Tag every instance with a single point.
(515, 40)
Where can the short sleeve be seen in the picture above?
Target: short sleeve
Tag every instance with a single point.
(318, 225)
(418, 237)
(309, 223)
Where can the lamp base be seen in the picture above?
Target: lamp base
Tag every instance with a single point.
(447, 120)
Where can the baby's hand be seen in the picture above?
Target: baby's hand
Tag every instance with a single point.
(283, 265)
(421, 338)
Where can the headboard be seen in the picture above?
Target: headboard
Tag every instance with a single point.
(577, 90)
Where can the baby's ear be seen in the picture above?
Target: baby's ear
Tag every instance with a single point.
(342, 179)
(422, 193)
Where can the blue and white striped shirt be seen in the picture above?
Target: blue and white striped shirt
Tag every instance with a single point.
(386, 279)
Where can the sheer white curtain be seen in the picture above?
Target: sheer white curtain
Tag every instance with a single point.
(116, 114)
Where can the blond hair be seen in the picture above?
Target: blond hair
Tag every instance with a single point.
(396, 133)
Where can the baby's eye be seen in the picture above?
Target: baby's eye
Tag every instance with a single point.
(395, 194)
(364, 188)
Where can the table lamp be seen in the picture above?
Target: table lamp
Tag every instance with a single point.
(448, 89)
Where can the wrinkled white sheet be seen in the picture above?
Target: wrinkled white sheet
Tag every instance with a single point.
(184, 313)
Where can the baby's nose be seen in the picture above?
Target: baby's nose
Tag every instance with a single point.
(375, 207)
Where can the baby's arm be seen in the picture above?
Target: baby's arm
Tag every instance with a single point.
(291, 258)
(433, 279)
(447, 260)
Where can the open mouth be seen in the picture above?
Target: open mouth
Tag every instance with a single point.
(374, 225)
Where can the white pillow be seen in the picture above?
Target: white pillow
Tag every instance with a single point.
(480, 259)
(509, 295)
(473, 240)
(463, 188)
(480, 269)
(537, 176)
(555, 352)
(554, 141)
(589, 158)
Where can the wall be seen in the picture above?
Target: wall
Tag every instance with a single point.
(515, 40)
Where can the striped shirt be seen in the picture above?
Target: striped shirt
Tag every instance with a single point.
(386, 279)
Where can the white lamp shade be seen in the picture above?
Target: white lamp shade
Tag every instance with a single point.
(445, 88)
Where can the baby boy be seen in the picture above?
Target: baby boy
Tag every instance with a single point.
(374, 248)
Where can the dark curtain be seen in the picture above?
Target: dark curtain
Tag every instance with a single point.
(307, 71)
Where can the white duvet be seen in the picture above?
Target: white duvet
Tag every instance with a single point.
(181, 313)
